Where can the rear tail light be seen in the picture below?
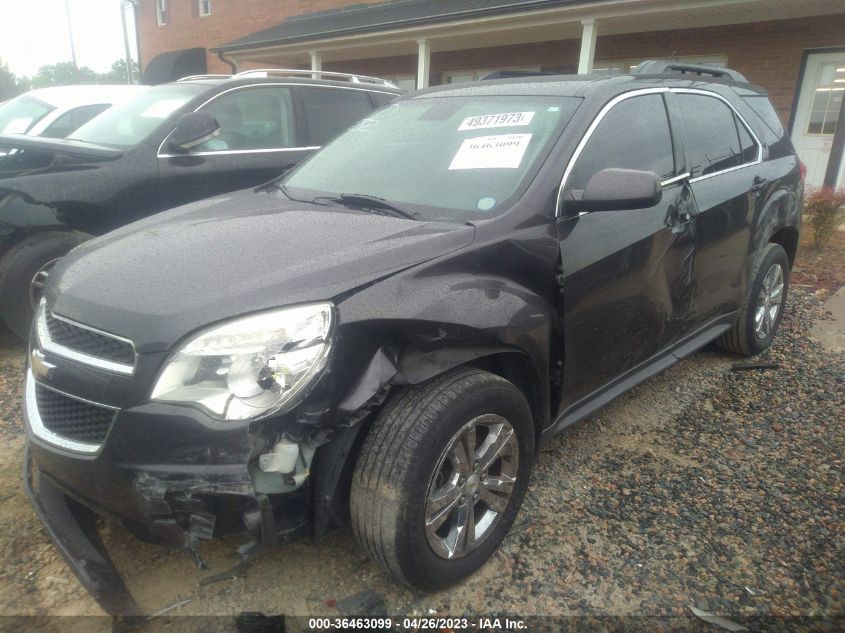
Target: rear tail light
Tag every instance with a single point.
(803, 168)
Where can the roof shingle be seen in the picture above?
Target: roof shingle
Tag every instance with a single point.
(382, 16)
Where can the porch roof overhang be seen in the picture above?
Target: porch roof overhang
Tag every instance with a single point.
(388, 29)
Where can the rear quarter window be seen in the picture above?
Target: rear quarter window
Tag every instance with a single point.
(767, 124)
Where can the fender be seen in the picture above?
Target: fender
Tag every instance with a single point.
(387, 369)
(20, 216)
(782, 210)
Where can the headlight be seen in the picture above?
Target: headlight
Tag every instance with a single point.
(250, 367)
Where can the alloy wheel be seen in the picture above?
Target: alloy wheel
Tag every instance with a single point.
(471, 486)
(769, 302)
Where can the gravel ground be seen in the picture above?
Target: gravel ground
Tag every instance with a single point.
(704, 486)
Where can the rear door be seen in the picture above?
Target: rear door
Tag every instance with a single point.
(722, 158)
(626, 274)
(259, 138)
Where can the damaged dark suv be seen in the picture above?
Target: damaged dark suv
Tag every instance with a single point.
(384, 336)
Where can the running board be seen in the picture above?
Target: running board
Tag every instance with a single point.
(662, 360)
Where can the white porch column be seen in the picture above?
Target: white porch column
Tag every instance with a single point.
(423, 64)
(588, 46)
(316, 64)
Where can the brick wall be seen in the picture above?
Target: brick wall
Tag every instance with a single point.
(768, 53)
(229, 20)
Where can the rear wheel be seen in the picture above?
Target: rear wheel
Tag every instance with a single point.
(762, 309)
(24, 271)
(441, 477)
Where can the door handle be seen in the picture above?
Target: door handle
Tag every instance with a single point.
(758, 183)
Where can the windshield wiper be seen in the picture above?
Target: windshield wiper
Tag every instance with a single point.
(374, 202)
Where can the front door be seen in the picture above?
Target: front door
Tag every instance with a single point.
(258, 140)
(627, 274)
(816, 116)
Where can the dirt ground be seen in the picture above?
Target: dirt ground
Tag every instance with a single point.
(705, 487)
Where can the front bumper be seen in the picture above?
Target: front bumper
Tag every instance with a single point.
(163, 475)
(72, 528)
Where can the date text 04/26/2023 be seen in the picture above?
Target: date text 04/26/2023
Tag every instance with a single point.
(419, 623)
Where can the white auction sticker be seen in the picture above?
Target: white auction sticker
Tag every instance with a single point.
(505, 119)
(490, 152)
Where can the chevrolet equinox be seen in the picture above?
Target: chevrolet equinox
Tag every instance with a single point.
(385, 335)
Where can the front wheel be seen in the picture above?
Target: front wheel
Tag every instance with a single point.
(762, 309)
(441, 477)
(23, 272)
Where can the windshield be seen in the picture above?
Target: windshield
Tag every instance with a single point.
(129, 123)
(440, 158)
(19, 115)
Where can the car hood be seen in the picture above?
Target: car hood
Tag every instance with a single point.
(159, 279)
(48, 155)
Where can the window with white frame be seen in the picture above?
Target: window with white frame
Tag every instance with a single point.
(204, 7)
(162, 16)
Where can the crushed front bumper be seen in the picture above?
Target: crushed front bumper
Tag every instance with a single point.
(165, 477)
(73, 530)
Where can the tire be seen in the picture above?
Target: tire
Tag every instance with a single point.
(17, 269)
(744, 337)
(403, 452)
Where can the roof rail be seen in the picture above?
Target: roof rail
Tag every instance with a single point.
(514, 74)
(668, 67)
(193, 77)
(315, 74)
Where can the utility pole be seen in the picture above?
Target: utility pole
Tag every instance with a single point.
(134, 5)
(126, 43)
(70, 35)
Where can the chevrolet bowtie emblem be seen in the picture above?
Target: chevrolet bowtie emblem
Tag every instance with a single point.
(40, 367)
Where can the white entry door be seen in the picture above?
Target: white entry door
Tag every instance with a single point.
(816, 117)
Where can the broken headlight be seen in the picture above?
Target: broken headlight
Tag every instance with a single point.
(252, 366)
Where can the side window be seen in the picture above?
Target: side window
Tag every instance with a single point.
(712, 142)
(252, 118)
(329, 111)
(72, 119)
(634, 134)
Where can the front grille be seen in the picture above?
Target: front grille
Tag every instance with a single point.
(71, 418)
(90, 342)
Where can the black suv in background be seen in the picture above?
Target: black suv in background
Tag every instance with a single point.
(174, 143)
(386, 334)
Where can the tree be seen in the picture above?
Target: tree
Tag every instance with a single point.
(64, 74)
(117, 74)
(9, 86)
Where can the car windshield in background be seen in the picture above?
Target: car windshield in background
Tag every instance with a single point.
(129, 123)
(439, 158)
(19, 115)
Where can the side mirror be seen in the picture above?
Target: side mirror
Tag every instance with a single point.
(619, 190)
(192, 129)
